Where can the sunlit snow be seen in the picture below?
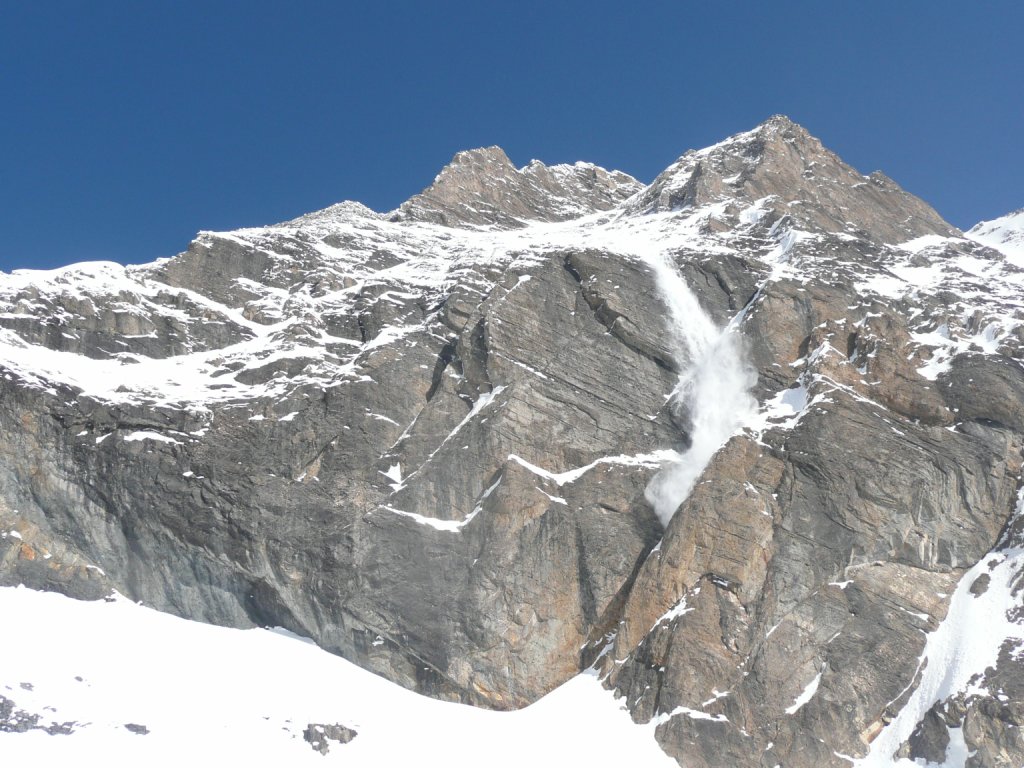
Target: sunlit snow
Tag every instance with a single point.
(215, 696)
(1005, 234)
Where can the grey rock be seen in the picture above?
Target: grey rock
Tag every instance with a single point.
(14, 720)
(320, 736)
(929, 741)
(1001, 379)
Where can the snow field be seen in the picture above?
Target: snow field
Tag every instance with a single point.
(220, 696)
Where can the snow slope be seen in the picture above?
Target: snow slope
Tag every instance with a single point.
(1005, 234)
(244, 697)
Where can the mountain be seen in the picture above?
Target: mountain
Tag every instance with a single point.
(745, 442)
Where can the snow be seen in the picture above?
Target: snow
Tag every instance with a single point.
(944, 347)
(752, 215)
(693, 714)
(450, 526)
(1005, 234)
(805, 696)
(919, 244)
(784, 410)
(956, 751)
(482, 402)
(149, 435)
(673, 613)
(715, 696)
(883, 284)
(572, 475)
(216, 696)
(428, 260)
(185, 378)
(780, 258)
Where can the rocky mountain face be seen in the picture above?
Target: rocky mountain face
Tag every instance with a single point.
(482, 187)
(748, 440)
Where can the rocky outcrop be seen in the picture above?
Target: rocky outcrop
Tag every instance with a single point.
(483, 187)
(426, 440)
(15, 720)
(320, 736)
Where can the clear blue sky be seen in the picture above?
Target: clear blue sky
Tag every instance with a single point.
(128, 126)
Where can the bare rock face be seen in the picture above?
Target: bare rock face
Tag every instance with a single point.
(427, 440)
(483, 187)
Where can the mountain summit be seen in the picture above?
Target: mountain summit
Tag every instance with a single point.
(781, 161)
(744, 443)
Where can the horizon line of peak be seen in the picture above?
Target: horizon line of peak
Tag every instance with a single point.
(496, 153)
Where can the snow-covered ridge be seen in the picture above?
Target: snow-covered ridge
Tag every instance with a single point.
(1005, 234)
